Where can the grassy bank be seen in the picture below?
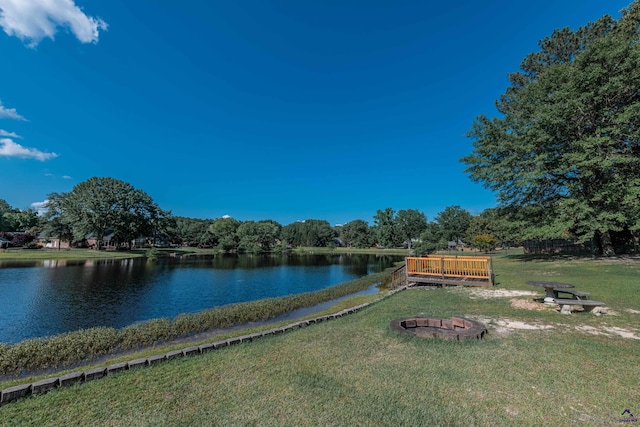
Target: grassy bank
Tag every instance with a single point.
(340, 250)
(80, 254)
(71, 254)
(69, 349)
(356, 371)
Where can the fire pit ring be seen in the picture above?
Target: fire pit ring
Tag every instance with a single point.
(456, 328)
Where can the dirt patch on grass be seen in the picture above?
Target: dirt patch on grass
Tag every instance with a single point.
(610, 331)
(506, 326)
(527, 304)
(498, 293)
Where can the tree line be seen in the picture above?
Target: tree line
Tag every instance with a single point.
(562, 155)
(107, 208)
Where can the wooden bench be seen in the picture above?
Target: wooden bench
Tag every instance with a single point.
(577, 295)
(587, 305)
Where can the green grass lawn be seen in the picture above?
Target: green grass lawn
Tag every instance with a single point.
(356, 371)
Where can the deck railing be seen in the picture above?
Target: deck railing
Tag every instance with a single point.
(473, 267)
(399, 277)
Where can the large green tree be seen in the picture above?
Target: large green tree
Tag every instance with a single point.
(357, 234)
(563, 154)
(258, 236)
(431, 240)
(223, 233)
(386, 229)
(410, 224)
(454, 222)
(103, 206)
(4, 208)
(22, 220)
(54, 224)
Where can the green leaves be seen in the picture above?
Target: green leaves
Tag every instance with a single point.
(357, 233)
(102, 206)
(567, 144)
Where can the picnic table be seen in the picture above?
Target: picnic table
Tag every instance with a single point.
(551, 288)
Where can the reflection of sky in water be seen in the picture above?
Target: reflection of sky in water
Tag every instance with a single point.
(51, 297)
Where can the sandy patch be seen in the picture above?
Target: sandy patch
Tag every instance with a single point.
(632, 311)
(609, 331)
(506, 326)
(498, 293)
(527, 304)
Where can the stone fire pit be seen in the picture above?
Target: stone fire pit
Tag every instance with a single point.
(456, 328)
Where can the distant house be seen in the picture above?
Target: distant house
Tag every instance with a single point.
(453, 245)
(4, 243)
(52, 242)
(57, 244)
(107, 241)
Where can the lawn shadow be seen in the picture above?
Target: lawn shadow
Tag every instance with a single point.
(550, 257)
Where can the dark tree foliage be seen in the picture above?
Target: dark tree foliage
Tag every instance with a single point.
(386, 229)
(309, 233)
(223, 234)
(410, 223)
(53, 223)
(454, 222)
(258, 236)
(12, 219)
(491, 222)
(21, 239)
(431, 240)
(188, 231)
(106, 206)
(564, 153)
(357, 234)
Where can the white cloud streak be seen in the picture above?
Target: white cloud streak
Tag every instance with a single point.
(9, 113)
(8, 148)
(34, 20)
(9, 134)
(40, 207)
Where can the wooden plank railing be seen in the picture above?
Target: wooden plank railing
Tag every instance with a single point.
(399, 277)
(472, 267)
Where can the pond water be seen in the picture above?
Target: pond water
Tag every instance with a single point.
(41, 298)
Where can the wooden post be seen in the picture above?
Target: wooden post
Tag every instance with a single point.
(490, 268)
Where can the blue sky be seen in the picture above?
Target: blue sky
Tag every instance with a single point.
(283, 110)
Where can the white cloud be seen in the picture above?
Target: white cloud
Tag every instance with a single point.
(9, 134)
(33, 20)
(66, 177)
(9, 113)
(8, 148)
(40, 207)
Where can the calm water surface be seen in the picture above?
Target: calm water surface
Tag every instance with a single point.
(50, 297)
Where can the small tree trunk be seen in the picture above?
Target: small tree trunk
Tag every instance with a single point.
(634, 237)
(603, 243)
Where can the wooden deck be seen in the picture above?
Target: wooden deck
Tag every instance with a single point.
(450, 270)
